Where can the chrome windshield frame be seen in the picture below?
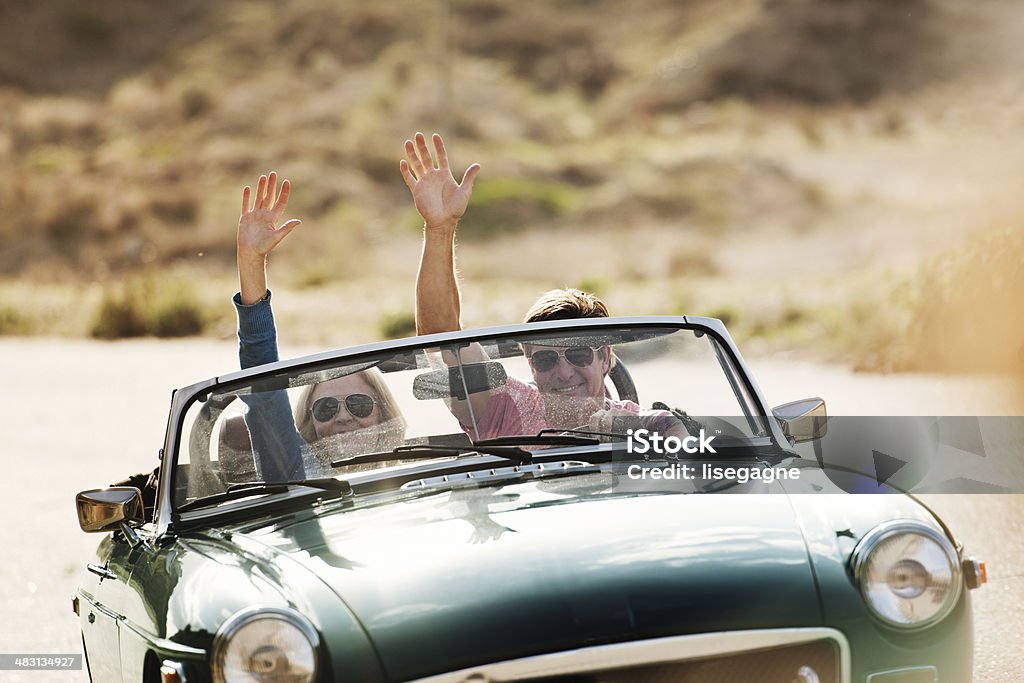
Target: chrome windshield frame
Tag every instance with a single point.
(183, 398)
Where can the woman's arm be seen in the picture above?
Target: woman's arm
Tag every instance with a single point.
(277, 446)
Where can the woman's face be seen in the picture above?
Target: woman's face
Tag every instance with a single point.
(349, 410)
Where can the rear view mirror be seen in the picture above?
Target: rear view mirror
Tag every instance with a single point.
(803, 420)
(454, 383)
(107, 509)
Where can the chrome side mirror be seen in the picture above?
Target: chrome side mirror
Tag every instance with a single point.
(803, 420)
(108, 509)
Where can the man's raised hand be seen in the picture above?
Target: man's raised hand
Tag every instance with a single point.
(439, 199)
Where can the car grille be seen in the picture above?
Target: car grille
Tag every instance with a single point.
(786, 655)
(813, 662)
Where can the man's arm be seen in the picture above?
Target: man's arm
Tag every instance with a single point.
(438, 300)
(441, 202)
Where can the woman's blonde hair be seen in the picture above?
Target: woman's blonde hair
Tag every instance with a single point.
(385, 402)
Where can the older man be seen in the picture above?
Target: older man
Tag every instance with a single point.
(568, 387)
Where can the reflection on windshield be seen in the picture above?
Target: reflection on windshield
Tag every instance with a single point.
(307, 422)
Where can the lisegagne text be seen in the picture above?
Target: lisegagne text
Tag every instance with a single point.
(706, 471)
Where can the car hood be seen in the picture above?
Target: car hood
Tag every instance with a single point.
(472, 575)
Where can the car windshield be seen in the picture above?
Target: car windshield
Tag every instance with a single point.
(510, 395)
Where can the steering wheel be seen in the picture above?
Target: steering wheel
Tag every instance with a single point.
(622, 381)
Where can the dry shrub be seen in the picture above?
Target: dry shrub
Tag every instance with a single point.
(119, 316)
(501, 205)
(692, 260)
(960, 312)
(593, 285)
(354, 34)
(13, 322)
(56, 121)
(72, 221)
(143, 307)
(88, 26)
(196, 101)
(967, 314)
(397, 324)
(815, 51)
(177, 207)
(722, 193)
(552, 46)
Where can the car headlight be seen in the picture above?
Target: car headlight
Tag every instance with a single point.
(908, 573)
(265, 645)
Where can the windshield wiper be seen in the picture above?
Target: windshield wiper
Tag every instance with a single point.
(513, 453)
(580, 434)
(542, 439)
(257, 488)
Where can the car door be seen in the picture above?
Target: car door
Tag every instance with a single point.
(102, 594)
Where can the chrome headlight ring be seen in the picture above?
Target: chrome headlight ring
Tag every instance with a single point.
(265, 644)
(908, 574)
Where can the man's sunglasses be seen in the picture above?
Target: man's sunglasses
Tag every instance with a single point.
(546, 360)
(326, 409)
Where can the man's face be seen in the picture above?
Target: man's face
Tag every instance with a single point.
(570, 372)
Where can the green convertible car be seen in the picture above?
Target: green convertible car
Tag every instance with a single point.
(587, 500)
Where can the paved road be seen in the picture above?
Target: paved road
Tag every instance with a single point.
(77, 415)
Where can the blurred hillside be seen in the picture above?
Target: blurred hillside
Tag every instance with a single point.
(786, 159)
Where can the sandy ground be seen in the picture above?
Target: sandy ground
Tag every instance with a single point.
(76, 415)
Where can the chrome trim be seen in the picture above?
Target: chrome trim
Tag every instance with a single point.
(807, 675)
(908, 669)
(870, 541)
(171, 667)
(536, 469)
(101, 608)
(242, 617)
(162, 644)
(101, 571)
(134, 540)
(102, 510)
(656, 651)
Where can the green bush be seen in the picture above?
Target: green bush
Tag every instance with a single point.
(505, 205)
(196, 102)
(593, 285)
(313, 275)
(397, 324)
(138, 308)
(119, 316)
(176, 318)
(13, 322)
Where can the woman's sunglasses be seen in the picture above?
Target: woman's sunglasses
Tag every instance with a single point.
(546, 360)
(326, 409)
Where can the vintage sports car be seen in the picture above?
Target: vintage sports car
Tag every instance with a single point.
(590, 500)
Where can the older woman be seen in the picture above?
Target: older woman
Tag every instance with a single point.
(356, 409)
